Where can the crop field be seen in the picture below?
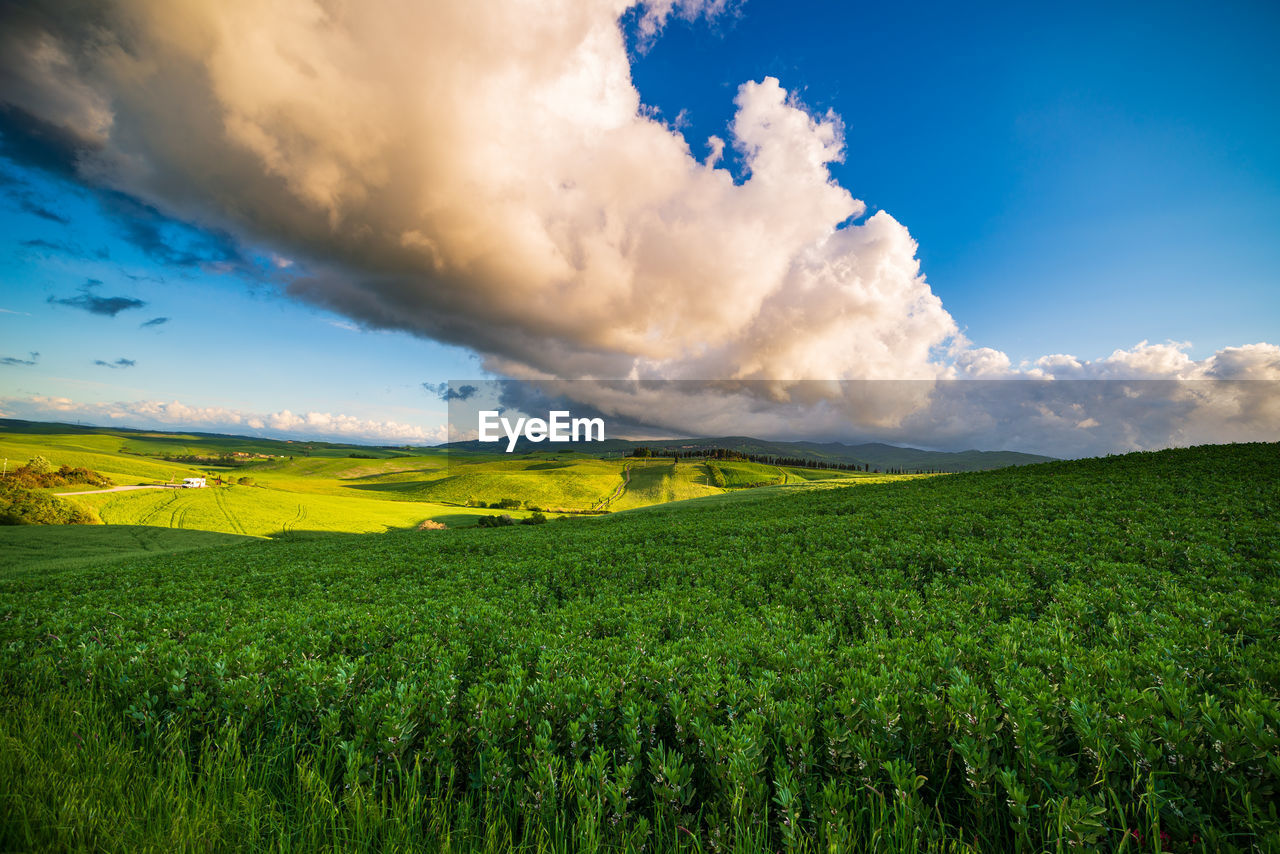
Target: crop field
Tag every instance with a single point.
(295, 488)
(43, 547)
(260, 512)
(1072, 656)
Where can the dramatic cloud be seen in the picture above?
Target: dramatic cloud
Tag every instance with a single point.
(27, 363)
(153, 322)
(118, 363)
(1149, 397)
(168, 414)
(485, 176)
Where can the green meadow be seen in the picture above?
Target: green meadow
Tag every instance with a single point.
(1074, 656)
(273, 488)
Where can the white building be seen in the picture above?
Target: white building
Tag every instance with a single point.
(192, 482)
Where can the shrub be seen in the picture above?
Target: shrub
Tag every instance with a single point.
(22, 506)
(39, 473)
(39, 465)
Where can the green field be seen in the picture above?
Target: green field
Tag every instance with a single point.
(44, 547)
(1064, 657)
(256, 511)
(314, 488)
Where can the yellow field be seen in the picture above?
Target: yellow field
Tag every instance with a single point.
(312, 488)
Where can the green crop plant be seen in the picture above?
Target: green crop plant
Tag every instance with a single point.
(1064, 657)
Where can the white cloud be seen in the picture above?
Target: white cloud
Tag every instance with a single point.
(159, 414)
(488, 176)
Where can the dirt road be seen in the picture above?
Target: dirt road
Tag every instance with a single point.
(118, 489)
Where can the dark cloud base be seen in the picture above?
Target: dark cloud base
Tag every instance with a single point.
(1058, 418)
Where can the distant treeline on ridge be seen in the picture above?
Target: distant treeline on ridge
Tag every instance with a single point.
(727, 455)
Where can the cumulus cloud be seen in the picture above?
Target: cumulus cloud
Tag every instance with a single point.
(160, 414)
(94, 304)
(489, 177)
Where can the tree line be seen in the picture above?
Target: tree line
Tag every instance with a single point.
(728, 455)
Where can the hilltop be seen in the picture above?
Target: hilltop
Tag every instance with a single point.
(875, 455)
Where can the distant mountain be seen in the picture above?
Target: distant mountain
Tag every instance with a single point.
(874, 454)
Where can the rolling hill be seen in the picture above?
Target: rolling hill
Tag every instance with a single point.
(271, 488)
(1074, 656)
(874, 454)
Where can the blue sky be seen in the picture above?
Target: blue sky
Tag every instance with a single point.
(227, 340)
(1077, 180)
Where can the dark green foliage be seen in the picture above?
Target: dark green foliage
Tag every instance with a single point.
(22, 506)
(535, 519)
(1072, 656)
(39, 473)
(495, 521)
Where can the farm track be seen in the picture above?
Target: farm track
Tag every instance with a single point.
(617, 492)
(297, 520)
(114, 489)
(786, 478)
(159, 510)
(179, 512)
(221, 501)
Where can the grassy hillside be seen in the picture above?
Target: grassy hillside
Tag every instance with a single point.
(98, 452)
(328, 488)
(43, 547)
(260, 512)
(875, 454)
(1073, 656)
(169, 443)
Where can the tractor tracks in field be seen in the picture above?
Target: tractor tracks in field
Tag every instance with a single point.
(618, 491)
(179, 511)
(297, 520)
(221, 500)
(151, 516)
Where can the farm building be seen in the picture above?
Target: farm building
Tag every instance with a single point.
(192, 482)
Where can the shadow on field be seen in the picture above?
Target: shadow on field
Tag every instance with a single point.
(383, 475)
(405, 486)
